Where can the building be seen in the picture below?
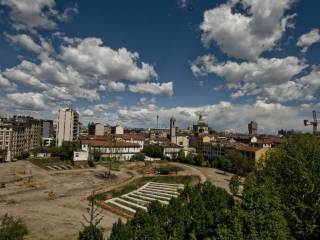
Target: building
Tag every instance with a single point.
(120, 150)
(253, 128)
(200, 127)
(67, 126)
(117, 130)
(80, 157)
(96, 129)
(47, 129)
(18, 135)
(171, 150)
(173, 130)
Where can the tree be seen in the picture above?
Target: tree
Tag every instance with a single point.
(293, 172)
(92, 231)
(138, 157)
(234, 184)
(153, 150)
(198, 159)
(12, 228)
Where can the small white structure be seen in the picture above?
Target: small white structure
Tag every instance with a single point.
(117, 130)
(171, 150)
(80, 157)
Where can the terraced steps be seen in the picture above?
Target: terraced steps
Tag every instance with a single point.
(143, 196)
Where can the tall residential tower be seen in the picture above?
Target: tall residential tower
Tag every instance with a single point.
(67, 125)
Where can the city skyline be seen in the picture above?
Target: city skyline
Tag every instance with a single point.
(125, 63)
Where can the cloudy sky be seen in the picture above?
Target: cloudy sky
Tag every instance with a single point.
(124, 61)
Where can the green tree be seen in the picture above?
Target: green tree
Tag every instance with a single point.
(153, 150)
(138, 157)
(234, 184)
(293, 172)
(12, 228)
(198, 159)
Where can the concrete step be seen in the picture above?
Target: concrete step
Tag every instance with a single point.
(131, 203)
(152, 195)
(112, 202)
(149, 198)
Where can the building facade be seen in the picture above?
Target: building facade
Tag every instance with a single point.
(67, 126)
(18, 135)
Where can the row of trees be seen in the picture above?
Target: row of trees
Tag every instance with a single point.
(65, 152)
(280, 201)
(235, 162)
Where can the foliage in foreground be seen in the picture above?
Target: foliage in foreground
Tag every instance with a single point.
(280, 201)
(206, 212)
(12, 228)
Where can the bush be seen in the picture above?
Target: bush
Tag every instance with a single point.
(11, 228)
(91, 232)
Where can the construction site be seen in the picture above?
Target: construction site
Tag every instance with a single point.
(52, 202)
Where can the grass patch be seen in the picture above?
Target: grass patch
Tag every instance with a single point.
(186, 180)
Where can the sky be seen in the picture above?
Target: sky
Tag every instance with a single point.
(125, 62)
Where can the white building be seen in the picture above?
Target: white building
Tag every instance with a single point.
(120, 150)
(171, 150)
(117, 130)
(67, 126)
(99, 129)
(80, 157)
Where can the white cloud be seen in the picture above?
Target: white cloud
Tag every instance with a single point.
(153, 88)
(221, 116)
(88, 113)
(90, 57)
(113, 86)
(308, 39)
(246, 35)
(33, 14)
(43, 48)
(6, 85)
(29, 100)
(268, 76)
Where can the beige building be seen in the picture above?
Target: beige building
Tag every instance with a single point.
(18, 135)
(67, 126)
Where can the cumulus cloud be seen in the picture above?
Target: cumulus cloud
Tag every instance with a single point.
(29, 100)
(89, 56)
(308, 39)
(81, 69)
(220, 116)
(153, 88)
(43, 48)
(270, 77)
(6, 85)
(113, 86)
(88, 113)
(249, 33)
(35, 14)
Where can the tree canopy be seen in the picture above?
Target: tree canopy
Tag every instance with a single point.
(279, 201)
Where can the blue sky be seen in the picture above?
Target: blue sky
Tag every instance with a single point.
(123, 61)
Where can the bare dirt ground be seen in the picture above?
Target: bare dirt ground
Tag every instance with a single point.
(52, 202)
(217, 177)
(59, 216)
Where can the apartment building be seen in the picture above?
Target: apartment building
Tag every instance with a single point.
(18, 135)
(67, 126)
